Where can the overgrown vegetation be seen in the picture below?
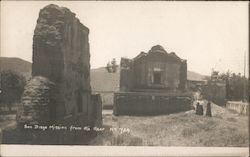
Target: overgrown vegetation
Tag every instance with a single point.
(12, 87)
(236, 85)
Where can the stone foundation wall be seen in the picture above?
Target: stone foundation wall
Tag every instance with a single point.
(139, 103)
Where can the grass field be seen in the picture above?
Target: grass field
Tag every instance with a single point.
(224, 129)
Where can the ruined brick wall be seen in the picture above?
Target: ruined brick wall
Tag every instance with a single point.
(59, 92)
(141, 94)
(144, 72)
(170, 74)
(38, 102)
(61, 53)
(141, 75)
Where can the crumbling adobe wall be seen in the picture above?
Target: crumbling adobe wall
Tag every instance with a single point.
(61, 53)
(38, 102)
(59, 92)
(156, 69)
(170, 74)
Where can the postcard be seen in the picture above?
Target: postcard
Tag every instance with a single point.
(124, 78)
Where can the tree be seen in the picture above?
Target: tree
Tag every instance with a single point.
(109, 67)
(236, 86)
(12, 87)
(112, 67)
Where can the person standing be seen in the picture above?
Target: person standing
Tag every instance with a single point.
(199, 109)
(208, 111)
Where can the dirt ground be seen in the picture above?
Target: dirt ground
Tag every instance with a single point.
(7, 120)
(226, 128)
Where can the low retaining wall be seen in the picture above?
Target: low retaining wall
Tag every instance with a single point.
(141, 103)
(238, 106)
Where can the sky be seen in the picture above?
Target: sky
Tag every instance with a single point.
(209, 35)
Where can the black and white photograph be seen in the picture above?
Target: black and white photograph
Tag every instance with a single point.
(125, 74)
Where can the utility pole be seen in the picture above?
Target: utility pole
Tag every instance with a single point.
(244, 79)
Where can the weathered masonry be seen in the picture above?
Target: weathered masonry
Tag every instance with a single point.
(59, 92)
(152, 83)
(61, 54)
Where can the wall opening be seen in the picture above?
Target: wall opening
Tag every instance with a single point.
(157, 77)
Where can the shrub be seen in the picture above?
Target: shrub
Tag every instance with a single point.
(12, 87)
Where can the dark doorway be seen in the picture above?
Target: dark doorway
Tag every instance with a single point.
(157, 77)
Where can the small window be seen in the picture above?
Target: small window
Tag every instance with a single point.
(157, 77)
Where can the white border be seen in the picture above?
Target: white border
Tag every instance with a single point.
(35, 150)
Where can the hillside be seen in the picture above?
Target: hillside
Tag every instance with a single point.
(101, 80)
(16, 64)
(195, 76)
